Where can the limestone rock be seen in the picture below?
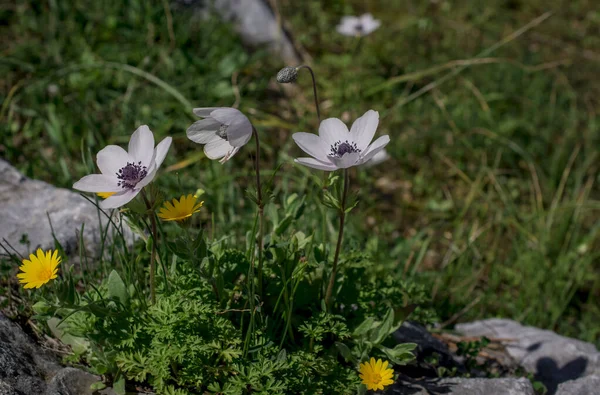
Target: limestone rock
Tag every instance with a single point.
(71, 381)
(24, 366)
(427, 345)
(553, 359)
(7, 389)
(589, 385)
(26, 204)
(255, 22)
(462, 386)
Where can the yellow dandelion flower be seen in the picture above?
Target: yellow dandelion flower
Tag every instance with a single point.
(39, 268)
(180, 210)
(105, 195)
(376, 374)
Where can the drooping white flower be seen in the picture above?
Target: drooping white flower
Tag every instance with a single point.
(358, 26)
(125, 173)
(378, 158)
(337, 148)
(223, 131)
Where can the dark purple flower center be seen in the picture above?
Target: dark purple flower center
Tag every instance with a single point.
(131, 174)
(359, 27)
(339, 148)
(222, 132)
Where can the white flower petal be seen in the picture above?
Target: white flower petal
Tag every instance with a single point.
(239, 131)
(228, 115)
(204, 131)
(312, 145)
(161, 151)
(364, 128)
(204, 111)
(98, 183)
(374, 148)
(141, 145)
(119, 200)
(229, 155)
(377, 158)
(316, 164)
(347, 160)
(217, 149)
(332, 130)
(369, 23)
(112, 158)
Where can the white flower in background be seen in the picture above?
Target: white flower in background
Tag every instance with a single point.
(378, 158)
(358, 26)
(337, 148)
(223, 131)
(125, 173)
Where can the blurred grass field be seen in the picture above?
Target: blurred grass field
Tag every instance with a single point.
(491, 197)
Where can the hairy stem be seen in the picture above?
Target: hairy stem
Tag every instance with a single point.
(261, 218)
(314, 83)
(339, 241)
(153, 254)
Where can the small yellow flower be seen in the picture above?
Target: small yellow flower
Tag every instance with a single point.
(180, 210)
(38, 270)
(105, 195)
(376, 374)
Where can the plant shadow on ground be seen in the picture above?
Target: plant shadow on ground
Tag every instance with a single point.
(490, 199)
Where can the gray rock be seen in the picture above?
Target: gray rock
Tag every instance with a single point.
(24, 366)
(589, 385)
(255, 22)
(553, 359)
(71, 381)
(26, 204)
(427, 345)
(463, 386)
(7, 389)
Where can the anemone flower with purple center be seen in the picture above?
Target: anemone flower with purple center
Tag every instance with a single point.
(125, 173)
(337, 148)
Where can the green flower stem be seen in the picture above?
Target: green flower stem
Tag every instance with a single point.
(261, 216)
(339, 241)
(153, 254)
(314, 83)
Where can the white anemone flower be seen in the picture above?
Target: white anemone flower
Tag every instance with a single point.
(125, 173)
(223, 131)
(358, 26)
(337, 148)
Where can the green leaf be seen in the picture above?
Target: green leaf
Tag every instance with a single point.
(383, 330)
(119, 386)
(364, 327)
(98, 385)
(401, 354)
(116, 288)
(41, 307)
(345, 352)
(78, 344)
(284, 225)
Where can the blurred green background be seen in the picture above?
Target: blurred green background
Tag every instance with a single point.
(490, 197)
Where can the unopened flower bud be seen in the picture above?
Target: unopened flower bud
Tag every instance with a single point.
(287, 74)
